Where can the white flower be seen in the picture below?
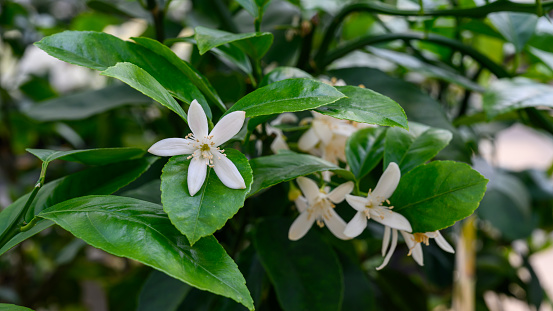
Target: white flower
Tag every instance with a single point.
(413, 241)
(317, 206)
(204, 148)
(279, 142)
(371, 206)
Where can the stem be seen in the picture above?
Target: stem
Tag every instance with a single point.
(157, 15)
(464, 288)
(306, 46)
(465, 101)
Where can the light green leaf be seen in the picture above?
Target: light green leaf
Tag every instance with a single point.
(411, 149)
(287, 96)
(271, 170)
(85, 104)
(507, 95)
(97, 50)
(283, 73)
(515, 27)
(142, 81)
(306, 274)
(366, 106)
(99, 156)
(436, 195)
(162, 292)
(207, 211)
(8, 307)
(255, 44)
(364, 149)
(141, 231)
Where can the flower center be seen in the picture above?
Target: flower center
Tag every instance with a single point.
(421, 237)
(321, 209)
(205, 147)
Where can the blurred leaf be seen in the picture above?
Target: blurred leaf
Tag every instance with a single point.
(271, 170)
(8, 307)
(204, 213)
(506, 95)
(544, 56)
(283, 73)
(287, 96)
(410, 296)
(93, 21)
(516, 28)
(366, 106)
(306, 274)
(254, 44)
(141, 231)
(162, 292)
(100, 156)
(358, 290)
(142, 81)
(38, 89)
(364, 149)
(436, 195)
(254, 7)
(409, 149)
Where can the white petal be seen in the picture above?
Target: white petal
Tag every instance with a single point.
(227, 127)
(416, 253)
(386, 239)
(339, 193)
(309, 188)
(300, 226)
(301, 204)
(227, 172)
(197, 120)
(323, 131)
(392, 249)
(336, 225)
(308, 140)
(391, 219)
(409, 239)
(387, 183)
(356, 225)
(278, 144)
(442, 243)
(286, 117)
(358, 203)
(196, 175)
(172, 146)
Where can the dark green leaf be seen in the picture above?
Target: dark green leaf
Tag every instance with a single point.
(141, 231)
(366, 106)
(364, 149)
(142, 81)
(255, 44)
(436, 195)
(283, 73)
(162, 292)
(8, 307)
(516, 28)
(98, 156)
(271, 170)
(287, 96)
(206, 211)
(306, 274)
(413, 148)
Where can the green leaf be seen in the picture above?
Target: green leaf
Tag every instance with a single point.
(507, 95)
(141, 231)
(250, 6)
(436, 195)
(516, 28)
(255, 44)
(8, 307)
(193, 75)
(366, 106)
(283, 73)
(306, 274)
(97, 50)
(99, 156)
(142, 81)
(411, 149)
(206, 211)
(287, 96)
(85, 104)
(271, 170)
(544, 56)
(162, 292)
(364, 149)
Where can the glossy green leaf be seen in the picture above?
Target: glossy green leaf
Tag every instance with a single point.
(97, 50)
(366, 106)
(306, 273)
(364, 149)
(409, 149)
(255, 44)
(97, 156)
(287, 96)
(162, 292)
(141, 231)
(515, 27)
(8, 307)
(436, 195)
(85, 104)
(507, 95)
(205, 212)
(271, 170)
(193, 75)
(283, 73)
(142, 81)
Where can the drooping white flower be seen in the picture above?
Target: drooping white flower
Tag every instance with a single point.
(317, 206)
(371, 206)
(203, 148)
(413, 241)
